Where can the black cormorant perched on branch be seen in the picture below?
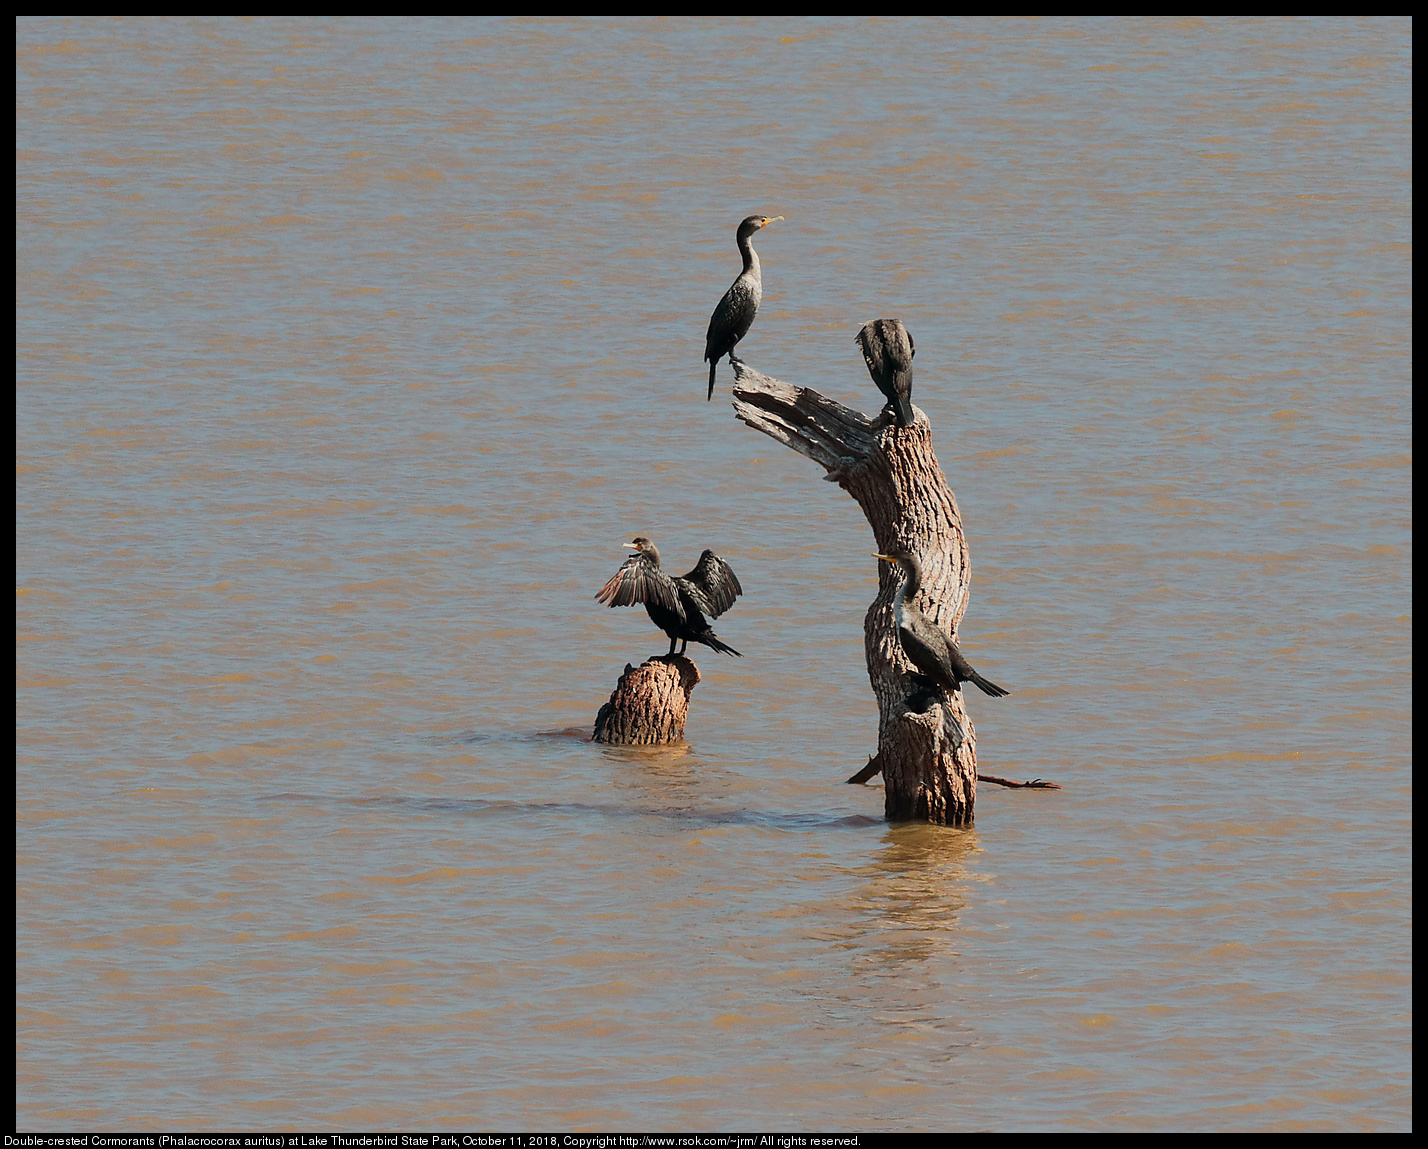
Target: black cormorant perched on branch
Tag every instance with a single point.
(676, 605)
(735, 314)
(888, 349)
(931, 651)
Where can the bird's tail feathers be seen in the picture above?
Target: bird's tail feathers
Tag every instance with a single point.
(710, 640)
(902, 409)
(713, 364)
(987, 687)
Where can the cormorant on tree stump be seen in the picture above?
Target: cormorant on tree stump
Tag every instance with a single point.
(735, 314)
(676, 605)
(927, 753)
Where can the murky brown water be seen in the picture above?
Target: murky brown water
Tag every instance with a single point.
(349, 353)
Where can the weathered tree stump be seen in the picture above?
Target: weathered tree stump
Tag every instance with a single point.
(927, 748)
(649, 704)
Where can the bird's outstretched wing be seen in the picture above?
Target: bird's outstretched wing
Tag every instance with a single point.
(638, 580)
(712, 584)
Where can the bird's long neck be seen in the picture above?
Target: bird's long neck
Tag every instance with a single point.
(651, 556)
(910, 586)
(751, 257)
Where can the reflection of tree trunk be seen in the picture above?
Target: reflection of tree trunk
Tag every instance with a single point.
(649, 704)
(928, 760)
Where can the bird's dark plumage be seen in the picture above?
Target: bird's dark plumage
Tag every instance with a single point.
(888, 350)
(735, 314)
(676, 605)
(924, 643)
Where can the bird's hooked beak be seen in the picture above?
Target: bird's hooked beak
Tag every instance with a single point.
(768, 220)
(888, 558)
(632, 546)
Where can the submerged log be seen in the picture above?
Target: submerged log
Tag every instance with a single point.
(927, 747)
(649, 704)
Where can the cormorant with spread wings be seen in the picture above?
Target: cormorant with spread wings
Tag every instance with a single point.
(676, 605)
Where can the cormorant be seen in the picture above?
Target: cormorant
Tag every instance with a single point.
(676, 605)
(931, 651)
(735, 314)
(888, 349)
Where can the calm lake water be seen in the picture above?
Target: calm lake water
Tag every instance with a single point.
(348, 354)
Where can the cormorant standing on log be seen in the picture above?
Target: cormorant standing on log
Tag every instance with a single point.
(676, 605)
(888, 349)
(735, 314)
(931, 651)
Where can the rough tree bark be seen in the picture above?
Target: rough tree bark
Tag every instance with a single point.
(649, 704)
(928, 760)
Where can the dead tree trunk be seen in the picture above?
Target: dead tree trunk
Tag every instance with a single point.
(928, 760)
(649, 704)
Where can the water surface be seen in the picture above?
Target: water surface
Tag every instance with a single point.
(348, 354)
